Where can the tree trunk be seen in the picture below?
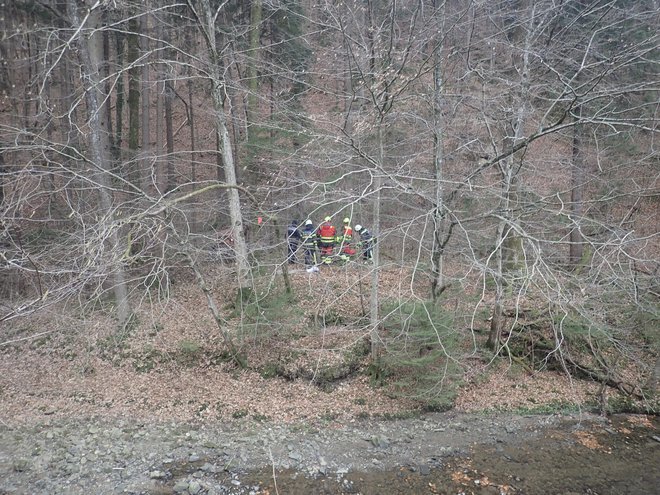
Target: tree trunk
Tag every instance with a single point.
(70, 134)
(90, 52)
(576, 249)
(204, 15)
(437, 282)
(509, 242)
(133, 47)
(285, 264)
(497, 316)
(27, 93)
(157, 173)
(193, 154)
(235, 214)
(108, 88)
(145, 164)
(251, 71)
(374, 304)
(169, 136)
(6, 26)
(119, 105)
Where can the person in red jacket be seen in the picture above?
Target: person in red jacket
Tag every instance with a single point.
(327, 233)
(346, 241)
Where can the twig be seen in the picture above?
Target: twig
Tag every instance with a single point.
(29, 337)
(272, 463)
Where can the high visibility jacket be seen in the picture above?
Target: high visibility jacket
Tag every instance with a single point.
(309, 236)
(327, 233)
(348, 233)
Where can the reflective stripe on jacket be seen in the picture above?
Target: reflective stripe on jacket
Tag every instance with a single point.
(309, 236)
(365, 235)
(327, 233)
(348, 233)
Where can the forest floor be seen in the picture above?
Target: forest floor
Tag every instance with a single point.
(161, 410)
(171, 365)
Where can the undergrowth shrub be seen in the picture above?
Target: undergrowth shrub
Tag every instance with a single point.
(275, 306)
(421, 348)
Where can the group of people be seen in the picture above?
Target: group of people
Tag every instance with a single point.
(325, 244)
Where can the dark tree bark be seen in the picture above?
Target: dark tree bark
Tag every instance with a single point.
(133, 52)
(145, 163)
(193, 144)
(119, 98)
(576, 249)
(108, 87)
(169, 136)
(251, 71)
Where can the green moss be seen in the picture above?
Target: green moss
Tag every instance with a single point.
(627, 404)
(190, 353)
(271, 370)
(554, 407)
(260, 418)
(240, 413)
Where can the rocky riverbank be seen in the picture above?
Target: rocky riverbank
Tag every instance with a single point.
(433, 452)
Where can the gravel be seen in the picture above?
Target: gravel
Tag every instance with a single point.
(96, 456)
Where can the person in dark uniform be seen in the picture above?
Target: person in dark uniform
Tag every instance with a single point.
(309, 242)
(367, 242)
(293, 238)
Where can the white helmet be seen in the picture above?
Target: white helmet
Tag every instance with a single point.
(308, 222)
(358, 228)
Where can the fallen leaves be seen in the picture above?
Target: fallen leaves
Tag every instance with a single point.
(468, 477)
(83, 368)
(589, 441)
(507, 389)
(641, 421)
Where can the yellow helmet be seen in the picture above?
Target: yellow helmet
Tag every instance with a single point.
(327, 219)
(347, 220)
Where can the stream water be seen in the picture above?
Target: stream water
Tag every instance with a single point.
(616, 458)
(439, 453)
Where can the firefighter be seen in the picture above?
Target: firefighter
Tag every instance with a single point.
(347, 249)
(293, 241)
(367, 242)
(309, 242)
(326, 235)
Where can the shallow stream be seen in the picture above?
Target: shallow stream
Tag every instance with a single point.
(616, 458)
(441, 453)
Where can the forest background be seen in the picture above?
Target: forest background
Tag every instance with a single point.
(503, 153)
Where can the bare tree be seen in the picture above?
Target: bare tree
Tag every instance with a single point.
(90, 53)
(206, 19)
